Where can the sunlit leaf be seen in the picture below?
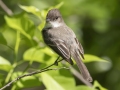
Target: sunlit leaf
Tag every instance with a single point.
(40, 14)
(39, 55)
(83, 87)
(4, 64)
(56, 81)
(50, 83)
(93, 58)
(31, 9)
(21, 23)
(41, 26)
(97, 85)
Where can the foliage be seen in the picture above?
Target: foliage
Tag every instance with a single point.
(23, 50)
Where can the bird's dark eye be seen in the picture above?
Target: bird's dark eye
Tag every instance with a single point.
(56, 18)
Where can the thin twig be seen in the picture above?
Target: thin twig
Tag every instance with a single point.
(5, 8)
(33, 73)
(75, 72)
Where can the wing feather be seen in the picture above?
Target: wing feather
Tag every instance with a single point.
(61, 49)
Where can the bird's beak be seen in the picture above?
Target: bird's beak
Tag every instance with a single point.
(47, 20)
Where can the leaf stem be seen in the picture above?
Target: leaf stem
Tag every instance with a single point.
(15, 60)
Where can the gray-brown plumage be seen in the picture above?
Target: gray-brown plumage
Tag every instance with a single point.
(59, 37)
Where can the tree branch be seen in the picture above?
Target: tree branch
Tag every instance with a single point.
(74, 72)
(5, 8)
(35, 72)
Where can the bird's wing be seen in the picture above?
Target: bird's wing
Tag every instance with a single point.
(81, 51)
(59, 46)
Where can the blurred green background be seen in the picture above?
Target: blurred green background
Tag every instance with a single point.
(95, 22)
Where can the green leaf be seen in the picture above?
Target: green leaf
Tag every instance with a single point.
(35, 11)
(96, 84)
(41, 26)
(56, 6)
(2, 39)
(83, 87)
(31, 9)
(57, 81)
(92, 58)
(43, 55)
(25, 82)
(21, 23)
(59, 5)
(4, 64)
(0, 83)
(2, 78)
(50, 83)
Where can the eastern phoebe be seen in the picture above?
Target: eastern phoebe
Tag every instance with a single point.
(59, 37)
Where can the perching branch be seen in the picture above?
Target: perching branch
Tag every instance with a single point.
(5, 8)
(74, 72)
(35, 72)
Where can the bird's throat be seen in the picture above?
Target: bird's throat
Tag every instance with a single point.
(52, 24)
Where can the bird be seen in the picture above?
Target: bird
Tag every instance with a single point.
(62, 40)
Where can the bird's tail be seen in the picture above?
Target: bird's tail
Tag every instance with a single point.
(83, 69)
